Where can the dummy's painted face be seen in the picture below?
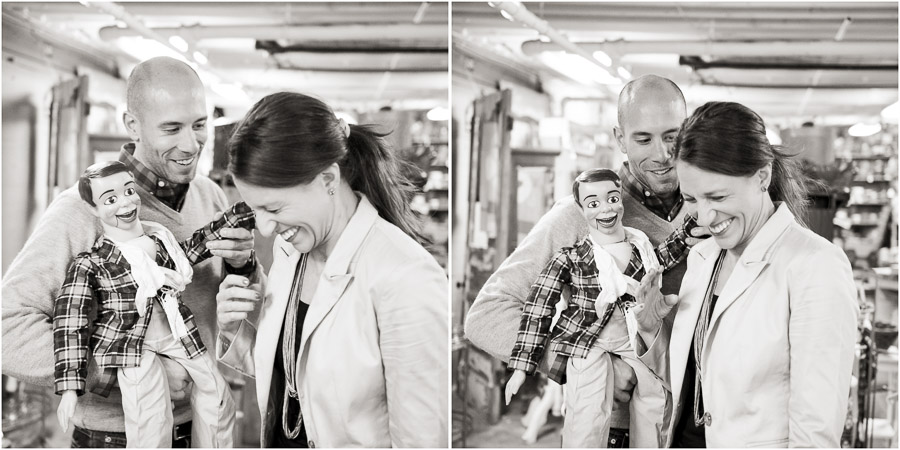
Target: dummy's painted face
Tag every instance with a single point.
(601, 204)
(117, 202)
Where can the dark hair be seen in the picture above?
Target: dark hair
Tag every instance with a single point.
(98, 170)
(593, 176)
(287, 139)
(730, 139)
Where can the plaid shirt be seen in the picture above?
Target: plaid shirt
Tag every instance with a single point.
(578, 326)
(665, 208)
(104, 276)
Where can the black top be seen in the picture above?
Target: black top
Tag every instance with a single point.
(276, 392)
(687, 434)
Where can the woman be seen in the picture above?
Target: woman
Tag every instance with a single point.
(761, 348)
(350, 349)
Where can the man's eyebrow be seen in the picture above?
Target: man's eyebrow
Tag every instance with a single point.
(170, 124)
(671, 130)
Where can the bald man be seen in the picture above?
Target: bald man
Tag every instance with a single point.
(650, 112)
(166, 120)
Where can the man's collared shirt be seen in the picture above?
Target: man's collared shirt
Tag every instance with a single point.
(101, 279)
(579, 325)
(171, 194)
(666, 208)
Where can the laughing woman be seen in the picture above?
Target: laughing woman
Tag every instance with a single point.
(761, 348)
(350, 348)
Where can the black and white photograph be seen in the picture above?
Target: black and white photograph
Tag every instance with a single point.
(225, 224)
(674, 224)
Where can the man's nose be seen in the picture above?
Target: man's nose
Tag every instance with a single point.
(662, 151)
(190, 142)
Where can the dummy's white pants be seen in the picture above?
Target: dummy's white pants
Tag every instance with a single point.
(589, 399)
(148, 408)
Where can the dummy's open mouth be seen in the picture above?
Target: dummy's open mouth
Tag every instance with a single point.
(607, 222)
(129, 216)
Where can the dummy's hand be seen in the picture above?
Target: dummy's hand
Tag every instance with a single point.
(179, 380)
(698, 234)
(625, 379)
(66, 408)
(652, 306)
(514, 383)
(235, 300)
(235, 247)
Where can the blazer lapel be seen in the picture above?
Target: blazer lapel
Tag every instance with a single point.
(278, 289)
(336, 275)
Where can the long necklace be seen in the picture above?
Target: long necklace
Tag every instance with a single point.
(289, 352)
(700, 336)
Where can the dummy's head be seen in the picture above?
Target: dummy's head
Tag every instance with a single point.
(110, 190)
(599, 194)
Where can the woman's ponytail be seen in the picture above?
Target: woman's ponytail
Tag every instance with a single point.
(789, 184)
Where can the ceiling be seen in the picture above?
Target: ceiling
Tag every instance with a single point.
(792, 62)
(361, 55)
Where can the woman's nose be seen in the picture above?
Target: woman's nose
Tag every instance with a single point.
(706, 216)
(264, 223)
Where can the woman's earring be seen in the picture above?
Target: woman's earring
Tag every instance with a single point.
(764, 188)
(331, 191)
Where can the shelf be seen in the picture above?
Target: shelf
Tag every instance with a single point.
(874, 181)
(869, 204)
(431, 143)
(867, 158)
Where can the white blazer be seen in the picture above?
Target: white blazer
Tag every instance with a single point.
(779, 349)
(373, 369)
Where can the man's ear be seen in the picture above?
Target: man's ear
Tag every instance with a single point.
(132, 125)
(620, 139)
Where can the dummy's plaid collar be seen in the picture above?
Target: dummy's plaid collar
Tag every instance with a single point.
(170, 193)
(666, 209)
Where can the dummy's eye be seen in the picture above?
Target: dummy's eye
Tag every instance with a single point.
(111, 200)
(593, 204)
(129, 191)
(613, 199)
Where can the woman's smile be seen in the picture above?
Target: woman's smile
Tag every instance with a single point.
(289, 234)
(720, 227)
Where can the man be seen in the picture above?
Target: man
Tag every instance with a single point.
(650, 112)
(166, 120)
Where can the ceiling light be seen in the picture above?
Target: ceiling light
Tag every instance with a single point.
(891, 112)
(578, 68)
(507, 16)
(200, 57)
(624, 73)
(178, 43)
(604, 59)
(864, 129)
(438, 114)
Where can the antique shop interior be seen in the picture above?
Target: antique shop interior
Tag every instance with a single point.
(64, 71)
(534, 92)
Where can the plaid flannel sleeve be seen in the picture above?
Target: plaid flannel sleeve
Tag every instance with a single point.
(238, 215)
(675, 249)
(537, 316)
(71, 327)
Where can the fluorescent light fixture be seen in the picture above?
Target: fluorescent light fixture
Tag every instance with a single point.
(224, 120)
(507, 16)
(231, 91)
(604, 59)
(178, 42)
(864, 129)
(200, 58)
(624, 73)
(578, 68)
(438, 114)
(144, 49)
(891, 112)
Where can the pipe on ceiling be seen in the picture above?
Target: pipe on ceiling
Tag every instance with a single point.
(420, 32)
(765, 48)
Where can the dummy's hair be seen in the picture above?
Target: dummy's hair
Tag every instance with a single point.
(593, 176)
(98, 170)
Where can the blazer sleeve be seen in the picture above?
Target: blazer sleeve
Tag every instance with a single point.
(32, 283)
(492, 322)
(822, 334)
(411, 310)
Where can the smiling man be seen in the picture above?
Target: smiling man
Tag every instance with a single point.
(166, 120)
(650, 112)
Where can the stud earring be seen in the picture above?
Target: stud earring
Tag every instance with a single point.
(764, 188)
(331, 191)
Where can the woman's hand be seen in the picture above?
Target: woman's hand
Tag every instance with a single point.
(652, 306)
(236, 299)
(514, 383)
(66, 408)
